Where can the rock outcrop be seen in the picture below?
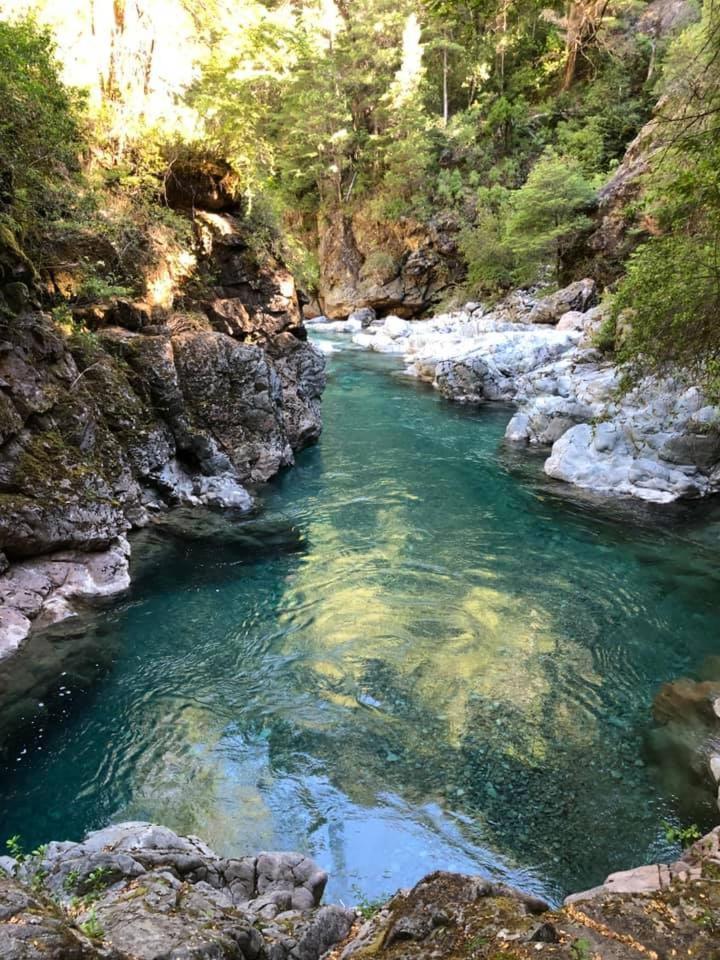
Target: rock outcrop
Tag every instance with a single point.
(100, 430)
(656, 912)
(140, 892)
(658, 442)
(401, 267)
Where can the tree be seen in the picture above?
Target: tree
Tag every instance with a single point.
(547, 212)
(581, 24)
(40, 135)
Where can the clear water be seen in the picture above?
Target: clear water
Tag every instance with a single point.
(420, 655)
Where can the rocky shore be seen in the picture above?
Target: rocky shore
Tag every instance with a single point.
(659, 441)
(137, 891)
(103, 429)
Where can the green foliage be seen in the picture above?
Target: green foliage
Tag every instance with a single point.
(606, 336)
(70, 881)
(685, 836)
(548, 211)
(489, 259)
(581, 949)
(96, 289)
(394, 107)
(672, 289)
(14, 847)
(584, 143)
(92, 927)
(38, 880)
(97, 881)
(518, 234)
(40, 136)
(367, 908)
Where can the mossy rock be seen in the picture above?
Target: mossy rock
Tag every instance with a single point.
(15, 265)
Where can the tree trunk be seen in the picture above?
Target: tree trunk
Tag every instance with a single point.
(572, 42)
(446, 110)
(583, 21)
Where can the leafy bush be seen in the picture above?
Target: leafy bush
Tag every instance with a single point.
(548, 211)
(92, 927)
(489, 259)
(40, 134)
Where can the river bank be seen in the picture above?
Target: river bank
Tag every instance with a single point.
(659, 441)
(139, 891)
(399, 674)
(103, 428)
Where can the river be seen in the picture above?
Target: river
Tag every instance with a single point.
(420, 654)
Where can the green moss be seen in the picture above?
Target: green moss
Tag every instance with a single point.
(12, 254)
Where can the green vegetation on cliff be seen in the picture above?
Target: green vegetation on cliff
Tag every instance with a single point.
(671, 295)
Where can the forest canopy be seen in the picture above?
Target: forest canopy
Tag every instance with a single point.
(508, 115)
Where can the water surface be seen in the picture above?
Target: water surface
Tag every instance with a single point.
(420, 655)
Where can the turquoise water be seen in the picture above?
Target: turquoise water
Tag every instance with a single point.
(421, 654)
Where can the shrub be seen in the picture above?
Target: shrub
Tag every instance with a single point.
(40, 136)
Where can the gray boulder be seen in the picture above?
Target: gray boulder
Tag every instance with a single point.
(470, 380)
(140, 891)
(579, 297)
(365, 316)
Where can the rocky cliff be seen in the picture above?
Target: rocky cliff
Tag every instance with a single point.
(137, 405)
(401, 267)
(140, 892)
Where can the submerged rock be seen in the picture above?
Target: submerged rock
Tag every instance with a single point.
(40, 593)
(684, 744)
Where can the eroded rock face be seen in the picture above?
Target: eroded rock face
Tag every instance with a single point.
(400, 267)
(140, 892)
(101, 431)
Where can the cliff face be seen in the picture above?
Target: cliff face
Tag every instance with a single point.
(398, 267)
(154, 406)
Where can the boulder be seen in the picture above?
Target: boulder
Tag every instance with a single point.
(684, 743)
(364, 316)
(41, 593)
(577, 297)
(471, 380)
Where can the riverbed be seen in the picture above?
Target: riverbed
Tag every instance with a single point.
(421, 653)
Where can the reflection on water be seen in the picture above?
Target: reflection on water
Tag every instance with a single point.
(421, 655)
